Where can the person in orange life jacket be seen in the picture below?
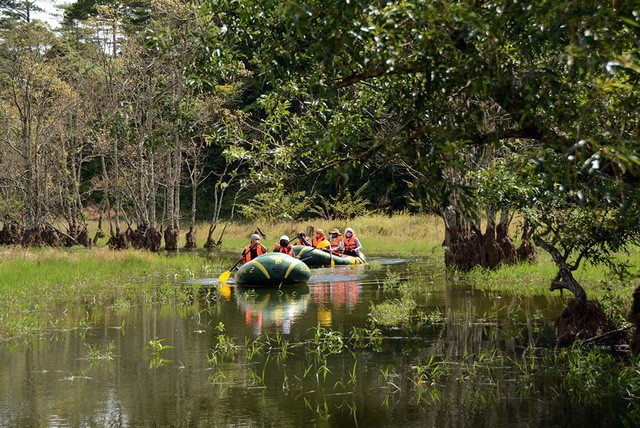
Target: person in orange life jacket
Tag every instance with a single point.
(284, 246)
(318, 238)
(335, 237)
(303, 240)
(254, 249)
(352, 245)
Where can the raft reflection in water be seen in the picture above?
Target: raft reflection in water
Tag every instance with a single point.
(328, 295)
(264, 308)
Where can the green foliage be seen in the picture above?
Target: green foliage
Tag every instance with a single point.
(343, 206)
(278, 205)
(393, 313)
(95, 354)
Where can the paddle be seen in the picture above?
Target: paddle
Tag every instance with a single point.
(324, 244)
(224, 276)
(361, 259)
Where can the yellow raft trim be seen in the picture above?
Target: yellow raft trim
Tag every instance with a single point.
(262, 268)
(293, 265)
(304, 250)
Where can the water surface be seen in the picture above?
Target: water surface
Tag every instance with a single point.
(64, 378)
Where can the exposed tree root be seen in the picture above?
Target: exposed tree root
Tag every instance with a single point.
(11, 234)
(171, 238)
(470, 249)
(117, 241)
(583, 320)
(191, 239)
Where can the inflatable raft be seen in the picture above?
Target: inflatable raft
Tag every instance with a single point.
(314, 257)
(272, 269)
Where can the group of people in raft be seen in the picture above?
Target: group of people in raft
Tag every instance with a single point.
(349, 244)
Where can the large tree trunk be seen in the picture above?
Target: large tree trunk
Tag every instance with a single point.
(635, 318)
(117, 239)
(527, 252)
(466, 247)
(582, 319)
(171, 233)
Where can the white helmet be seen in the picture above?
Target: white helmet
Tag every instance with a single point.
(255, 236)
(284, 238)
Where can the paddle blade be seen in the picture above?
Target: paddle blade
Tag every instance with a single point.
(225, 291)
(323, 244)
(333, 263)
(224, 276)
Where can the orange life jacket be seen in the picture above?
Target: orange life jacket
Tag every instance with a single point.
(315, 241)
(350, 243)
(258, 248)
(336, 242)
(301, 242)
(277, 248)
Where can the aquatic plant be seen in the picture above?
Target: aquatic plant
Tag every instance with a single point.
(325, 342)
(225, 347)
(95, 354)
(157, 348)
(362, 337)
(392, 313)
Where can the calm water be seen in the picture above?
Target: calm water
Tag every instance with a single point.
(54, 381)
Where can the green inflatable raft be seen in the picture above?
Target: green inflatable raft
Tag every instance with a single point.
(314, 257)
(272, 270)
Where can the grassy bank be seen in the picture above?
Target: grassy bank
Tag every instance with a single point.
(400, 234)
(535, 279)
(35, 281)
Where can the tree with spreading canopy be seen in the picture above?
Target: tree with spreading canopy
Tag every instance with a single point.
(443, 89)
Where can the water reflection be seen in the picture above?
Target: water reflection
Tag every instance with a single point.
(265, 308)
(328, 295)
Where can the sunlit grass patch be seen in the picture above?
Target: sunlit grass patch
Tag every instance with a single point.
(534, 279)
(33, 282)
(392, 313)
(400, 234)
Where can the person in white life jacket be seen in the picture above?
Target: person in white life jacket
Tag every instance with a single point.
(352, 245)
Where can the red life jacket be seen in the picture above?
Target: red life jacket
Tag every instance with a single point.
(277, 248)
(259, 249)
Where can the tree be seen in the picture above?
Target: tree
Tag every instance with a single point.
(443, 88)
(17, 11)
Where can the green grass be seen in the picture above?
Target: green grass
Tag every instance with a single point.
(34, 282)
(400, 234)
(534, 279)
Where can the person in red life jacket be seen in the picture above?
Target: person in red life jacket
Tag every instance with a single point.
(352, 245)
(318, 238)
(303, 240)
(254, 249)
(335, 237)
(284, 246)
